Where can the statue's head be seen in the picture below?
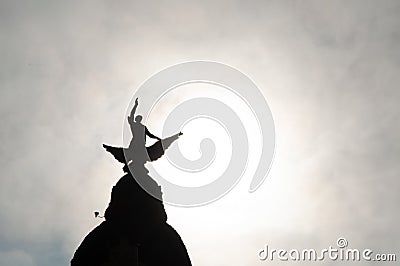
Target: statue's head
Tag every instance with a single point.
(138, 118)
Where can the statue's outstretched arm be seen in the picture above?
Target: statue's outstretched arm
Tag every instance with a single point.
(151, 135)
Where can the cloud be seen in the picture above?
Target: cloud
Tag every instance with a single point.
(329, 72)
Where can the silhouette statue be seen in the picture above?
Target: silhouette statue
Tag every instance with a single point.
(137, 152)
(135, 231)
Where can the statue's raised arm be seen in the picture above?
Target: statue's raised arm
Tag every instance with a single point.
(131, 117)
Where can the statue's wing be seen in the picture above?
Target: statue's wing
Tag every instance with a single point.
(117, 152)
(158, 149)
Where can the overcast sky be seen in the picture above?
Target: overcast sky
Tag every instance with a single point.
(330, 71)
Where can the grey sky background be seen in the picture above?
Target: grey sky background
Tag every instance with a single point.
(328, 69)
